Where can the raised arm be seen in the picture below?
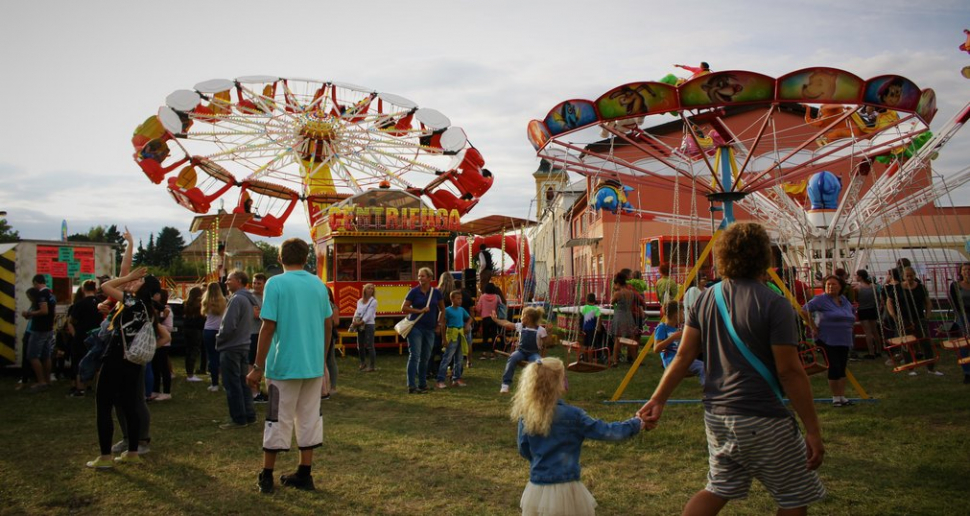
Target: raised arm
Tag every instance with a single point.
(129, 253)
(112, 288)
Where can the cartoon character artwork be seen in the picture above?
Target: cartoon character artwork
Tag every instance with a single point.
(823, 190)
(722, 87)
(570, 115)
(611, 196)
(965, 46)
(538, 134)
(820, 85)
(633, 98)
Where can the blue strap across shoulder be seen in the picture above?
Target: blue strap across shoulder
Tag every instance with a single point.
(742, 347)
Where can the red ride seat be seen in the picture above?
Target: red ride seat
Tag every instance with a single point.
(268, 225)
(443, 199)
(194, 198)
(473, 179)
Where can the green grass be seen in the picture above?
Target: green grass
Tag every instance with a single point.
(453, 451)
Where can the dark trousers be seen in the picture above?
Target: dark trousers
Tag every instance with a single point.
(193, 345)
(162, 370)
(118, 382)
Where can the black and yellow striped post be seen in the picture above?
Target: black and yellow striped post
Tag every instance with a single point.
(8, 307)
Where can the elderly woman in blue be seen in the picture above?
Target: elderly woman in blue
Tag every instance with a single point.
(832, 320)
(551, 435)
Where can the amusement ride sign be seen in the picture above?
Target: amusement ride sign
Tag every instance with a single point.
(358, 218)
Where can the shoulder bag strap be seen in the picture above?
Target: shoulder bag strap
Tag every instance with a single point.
(755, 362)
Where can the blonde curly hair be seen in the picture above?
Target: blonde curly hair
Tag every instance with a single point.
(534, 402)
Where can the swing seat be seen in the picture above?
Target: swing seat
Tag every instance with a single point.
(957, 345)
(586, 358)
(904, 352)
(432, 142)
(813, 358)
(149, 130)
(398, 127)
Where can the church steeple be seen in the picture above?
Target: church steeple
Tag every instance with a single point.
(550, 180)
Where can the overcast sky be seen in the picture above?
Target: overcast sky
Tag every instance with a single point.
(79, 76)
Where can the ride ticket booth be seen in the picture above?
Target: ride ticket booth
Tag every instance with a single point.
(383, 237)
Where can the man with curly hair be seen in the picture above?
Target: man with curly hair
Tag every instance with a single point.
(749, 339)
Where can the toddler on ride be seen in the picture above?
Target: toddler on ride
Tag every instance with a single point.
(550, 437)
(531, 336)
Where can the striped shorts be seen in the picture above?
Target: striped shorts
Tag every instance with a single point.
(770, 449)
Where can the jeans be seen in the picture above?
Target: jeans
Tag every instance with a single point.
(514, 360)
(365, 345)
(420, 342)
(209, 339)
(234, 364)
(452, 352)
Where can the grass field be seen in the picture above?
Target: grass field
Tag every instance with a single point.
(453, 451)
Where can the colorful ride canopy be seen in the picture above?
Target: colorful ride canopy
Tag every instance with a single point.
(846, 118)
(266, 143)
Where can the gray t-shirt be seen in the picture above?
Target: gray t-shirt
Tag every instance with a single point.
(762, 319)
(257, 322)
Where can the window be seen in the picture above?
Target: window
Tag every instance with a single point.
(346, 258)
(386, 262)
(328, 261)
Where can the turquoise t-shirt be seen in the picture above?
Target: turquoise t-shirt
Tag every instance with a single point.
(299, 304)
(456, 316)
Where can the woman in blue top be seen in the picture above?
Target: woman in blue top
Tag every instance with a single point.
(425, 304)
(551, 435)
(832, 323)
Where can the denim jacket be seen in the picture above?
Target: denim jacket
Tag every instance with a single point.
(554, 459)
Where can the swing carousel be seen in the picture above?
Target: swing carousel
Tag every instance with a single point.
(831, 163)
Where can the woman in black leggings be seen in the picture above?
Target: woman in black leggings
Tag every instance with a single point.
(119, 379)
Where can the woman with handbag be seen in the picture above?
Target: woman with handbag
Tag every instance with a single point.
(424, 307)
(364, 325)
(120, 377)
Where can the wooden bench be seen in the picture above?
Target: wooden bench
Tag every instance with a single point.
(379, 333)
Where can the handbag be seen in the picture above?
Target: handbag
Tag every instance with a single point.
(404, 326)
(141, 350)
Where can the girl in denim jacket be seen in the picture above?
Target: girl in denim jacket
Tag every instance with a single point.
(551, 435)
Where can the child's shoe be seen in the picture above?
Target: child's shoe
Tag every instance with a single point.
(300, 482)
(459, 383)
(264, 482)
(504, 389)
(440, 385)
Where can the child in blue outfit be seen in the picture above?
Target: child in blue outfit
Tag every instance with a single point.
(531, 336)
(459, 323)
(551, 435)
(666, 338)
(591, 319)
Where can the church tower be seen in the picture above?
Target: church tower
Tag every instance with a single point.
(550, 181)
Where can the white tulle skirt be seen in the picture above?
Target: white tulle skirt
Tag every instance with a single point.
(566, 499)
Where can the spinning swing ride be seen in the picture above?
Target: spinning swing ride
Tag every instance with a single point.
(759, 144)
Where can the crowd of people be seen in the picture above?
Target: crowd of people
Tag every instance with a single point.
(736, 335)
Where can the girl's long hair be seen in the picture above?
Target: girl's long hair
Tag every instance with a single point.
(534, 402)
(193, 306)
(532, 315)
(213, 302)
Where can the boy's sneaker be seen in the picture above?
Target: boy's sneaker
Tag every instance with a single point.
(936, 373)
(163, 397)
(260, 398)
(213, 388)
(193, 378)
(504, 389)
(100, 463)
(76, 394)
(264, 483)
(233, 425)
(913, 373)
(127, 458)
(120, 446)
(441, 385)
(459, 383)
(143, 449)
(297, 481)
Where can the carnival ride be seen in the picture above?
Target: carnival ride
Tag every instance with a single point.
(746, 140)
(278, 141)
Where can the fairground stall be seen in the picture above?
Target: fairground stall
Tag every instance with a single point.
(382, 237)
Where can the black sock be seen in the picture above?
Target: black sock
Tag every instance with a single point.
(303, 471)
(268, 472)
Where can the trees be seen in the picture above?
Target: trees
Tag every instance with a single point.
(270, 253)
(161, 253)
(7, 233)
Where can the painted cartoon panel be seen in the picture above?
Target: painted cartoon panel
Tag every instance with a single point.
(538, 134)
(893, 92)
(637, 98)
(820, 86)
(570, 115)
(926, 109)
(722, 88)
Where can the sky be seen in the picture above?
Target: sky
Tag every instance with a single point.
(80, 76)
